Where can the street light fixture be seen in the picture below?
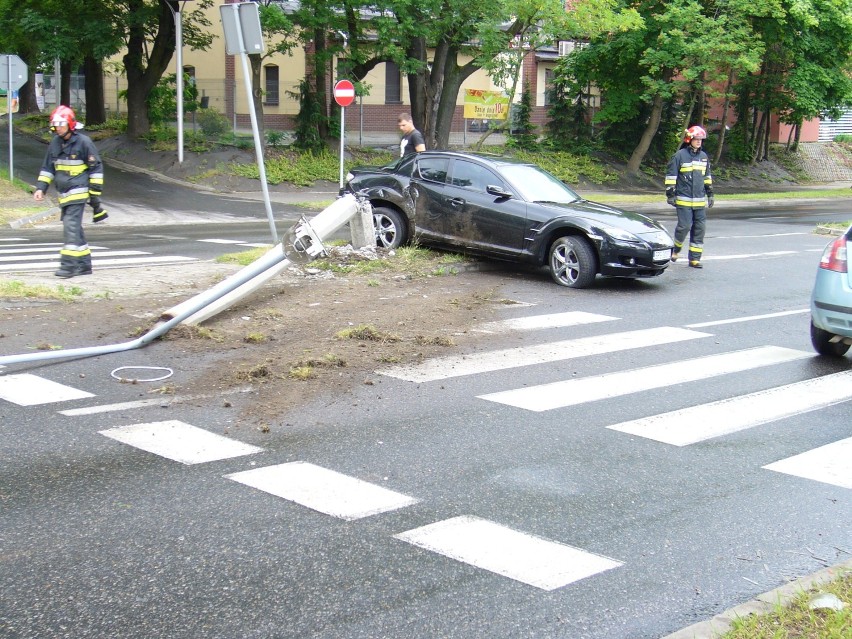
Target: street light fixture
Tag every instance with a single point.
(175, 6)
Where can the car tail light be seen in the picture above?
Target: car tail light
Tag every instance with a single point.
(834, 256)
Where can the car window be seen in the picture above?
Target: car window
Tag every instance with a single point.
(537, 185)
(405, 166)
(473, 176)
(434, 169)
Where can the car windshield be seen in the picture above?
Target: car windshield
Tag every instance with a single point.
(536, 185)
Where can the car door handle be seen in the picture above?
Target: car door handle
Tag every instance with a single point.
(456, 201)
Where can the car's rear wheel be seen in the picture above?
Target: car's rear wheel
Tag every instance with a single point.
(823, 345)
(572, 262)
(389, 226)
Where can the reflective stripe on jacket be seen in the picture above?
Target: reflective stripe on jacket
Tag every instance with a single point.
(689, 172)
(74, 166)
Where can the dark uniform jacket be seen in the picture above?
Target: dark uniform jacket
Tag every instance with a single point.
(689, 173)
(74, 166)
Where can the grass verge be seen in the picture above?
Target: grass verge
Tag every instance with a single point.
(15, 289)
(797, 620)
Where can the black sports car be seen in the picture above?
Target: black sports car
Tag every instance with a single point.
(510, 210)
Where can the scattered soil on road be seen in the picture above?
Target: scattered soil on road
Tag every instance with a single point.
(305, 334)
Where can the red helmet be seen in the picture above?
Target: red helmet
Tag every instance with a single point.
(695, 132)
(63, 115)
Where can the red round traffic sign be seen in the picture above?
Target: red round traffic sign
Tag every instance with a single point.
(344, 93)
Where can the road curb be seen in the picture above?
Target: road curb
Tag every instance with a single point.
(761, 604)
(32, 219)
(131, 168)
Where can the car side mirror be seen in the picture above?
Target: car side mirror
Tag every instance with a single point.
(498, 191)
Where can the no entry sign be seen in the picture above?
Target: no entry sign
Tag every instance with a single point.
(344, 93)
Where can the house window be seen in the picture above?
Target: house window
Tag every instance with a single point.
(548, 86)
(270, 84)
(393, 84)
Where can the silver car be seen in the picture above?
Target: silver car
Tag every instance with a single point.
(831, 300)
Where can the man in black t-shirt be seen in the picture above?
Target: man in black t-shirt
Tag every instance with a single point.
(412, 140)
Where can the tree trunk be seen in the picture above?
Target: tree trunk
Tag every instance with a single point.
(724, 124)
(65, 89)
(418, 95)
(256, 62)
(142, 76)
(321, 80)
(647, 136)
(95, 106)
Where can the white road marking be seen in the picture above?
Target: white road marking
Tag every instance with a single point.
(829, 464)
(12, 239)
(31, 248)
(705, 421)
(749, 318)
(458, 365)
(180, 442)
(216, 241)
(152, 260)
(571, 392)
(143, 403)
(752, 237)
(256, 245)
(532, 560)
(536, 322)
(743, 256)
(52, 256)
(323, 490)
(30, 390)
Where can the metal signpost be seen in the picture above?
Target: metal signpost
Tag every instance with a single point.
(241, 22)
(176, 9)
(344, 95)
(13, 75)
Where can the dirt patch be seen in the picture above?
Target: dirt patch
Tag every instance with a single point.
(305, 334)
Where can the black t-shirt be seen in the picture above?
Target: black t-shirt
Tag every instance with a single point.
(410, 142)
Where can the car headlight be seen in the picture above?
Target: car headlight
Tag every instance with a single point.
(619, 234)
(349, 176)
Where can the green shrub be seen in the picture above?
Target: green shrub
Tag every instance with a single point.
(212, 122)
(276, 138)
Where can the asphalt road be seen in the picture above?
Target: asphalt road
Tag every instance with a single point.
(520, 499)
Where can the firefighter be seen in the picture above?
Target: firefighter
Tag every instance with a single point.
(72, 161)
(689, 188)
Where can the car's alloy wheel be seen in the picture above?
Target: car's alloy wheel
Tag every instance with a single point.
(389, 227)
(823, 345)
(572, 262)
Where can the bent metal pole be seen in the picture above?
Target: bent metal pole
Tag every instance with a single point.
(302, 243)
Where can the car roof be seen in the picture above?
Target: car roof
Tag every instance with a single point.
(487, 158)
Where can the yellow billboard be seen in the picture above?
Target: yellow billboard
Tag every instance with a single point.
(485, 105)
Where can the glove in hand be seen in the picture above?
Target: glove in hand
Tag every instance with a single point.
(710, 201)
(670, 196)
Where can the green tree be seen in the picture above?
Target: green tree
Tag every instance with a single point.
(150, 43)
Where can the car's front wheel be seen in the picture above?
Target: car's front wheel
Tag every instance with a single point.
(823, 345)
(389, 226)
(572, 262)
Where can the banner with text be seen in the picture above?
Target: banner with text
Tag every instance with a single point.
(485, 105)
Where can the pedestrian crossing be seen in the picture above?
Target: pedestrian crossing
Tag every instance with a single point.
(542, 563)
(17, 255)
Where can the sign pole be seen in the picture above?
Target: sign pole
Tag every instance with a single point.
(9, 105)
(13, 79)
(258, 147)
(344, 95)
(342, 119)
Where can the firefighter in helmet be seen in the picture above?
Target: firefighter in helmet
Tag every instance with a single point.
(73, 163)
(689, 188)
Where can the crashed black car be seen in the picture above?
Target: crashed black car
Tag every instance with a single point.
(510, 210)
